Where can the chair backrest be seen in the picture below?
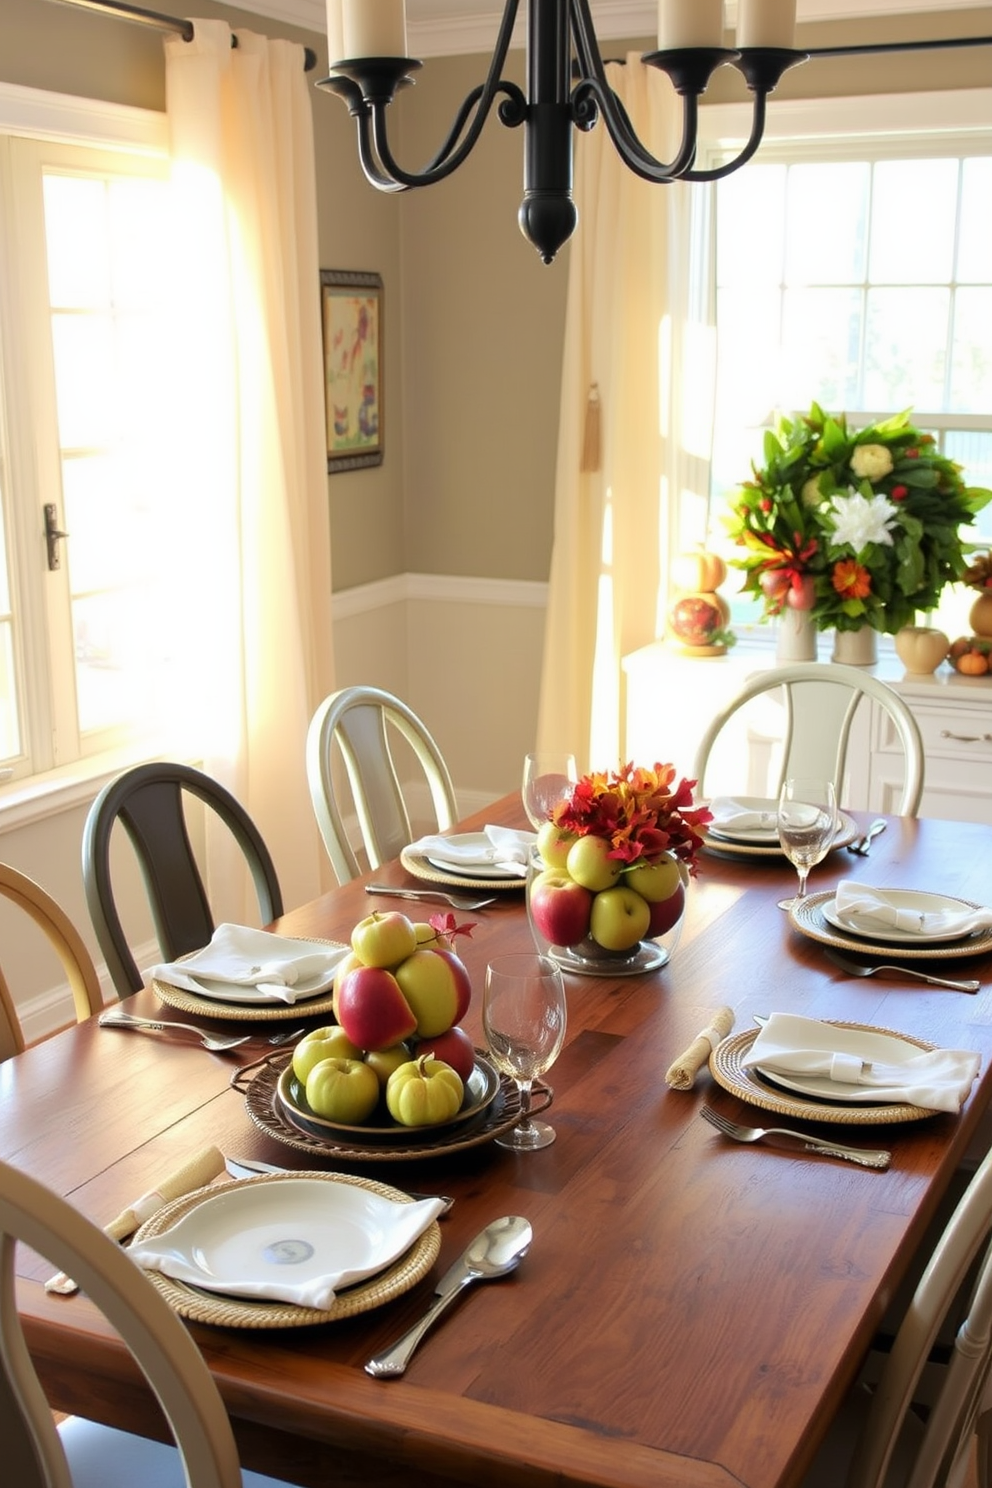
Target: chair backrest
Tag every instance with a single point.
(148, 801)
(819, 700)
(356, 719)
(960, 1399)
(68, 945)
(171, 1362)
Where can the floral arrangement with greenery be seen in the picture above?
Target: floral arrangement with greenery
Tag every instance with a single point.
(856, 527)
(639, 812)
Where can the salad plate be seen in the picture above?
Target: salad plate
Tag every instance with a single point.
(768, 845)
(775, 1093)
(808, 917)
(912, 899)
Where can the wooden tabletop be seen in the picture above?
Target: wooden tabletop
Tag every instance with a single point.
(690, 1310)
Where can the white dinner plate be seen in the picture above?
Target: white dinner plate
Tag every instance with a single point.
(768, 845)
(885, 1048)
(253, 1235)
(219, 991)
(760, 835)
(478, 841)
(900, 899)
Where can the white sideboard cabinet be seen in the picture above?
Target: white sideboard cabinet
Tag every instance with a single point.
(671, 698)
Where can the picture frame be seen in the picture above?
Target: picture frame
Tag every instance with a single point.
(351, 317)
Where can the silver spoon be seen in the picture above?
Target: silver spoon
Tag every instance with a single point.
(208, 1040)
(495, 1252)
(457, 901)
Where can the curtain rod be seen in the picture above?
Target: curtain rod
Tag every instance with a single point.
(161, 22)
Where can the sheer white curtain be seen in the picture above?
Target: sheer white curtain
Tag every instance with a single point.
(637, 373)
(254, 601)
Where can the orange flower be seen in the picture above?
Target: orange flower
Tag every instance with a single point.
(851, 580)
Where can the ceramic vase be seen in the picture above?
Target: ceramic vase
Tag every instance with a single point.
(921, 648)
(856, 647)
(554, 920)
(796, 636)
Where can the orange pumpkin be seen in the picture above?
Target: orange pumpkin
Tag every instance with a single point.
(972, 664)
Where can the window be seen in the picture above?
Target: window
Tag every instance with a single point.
(856, 272)
(84, 429)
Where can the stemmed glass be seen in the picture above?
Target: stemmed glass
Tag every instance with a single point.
(807, 823)
(548, 779)
(523, 1016)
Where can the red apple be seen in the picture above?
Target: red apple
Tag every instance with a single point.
(804, 597)
(436, 986)
(560, 908)
(773, 581)
(666, 912)
(453, 1047)
(372, 1009)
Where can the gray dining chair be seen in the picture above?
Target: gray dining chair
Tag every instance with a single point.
(355, 725)
(812, 729)
(918, 1415)
(81, 1453)
(148, 801)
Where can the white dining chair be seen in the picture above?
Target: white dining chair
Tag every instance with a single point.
(811, 727)
(919, 1416)
(356, 723)
(81, 1453)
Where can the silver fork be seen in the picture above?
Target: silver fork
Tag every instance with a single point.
(208, 1040)
(855, 968)
(780, 1136)
(457, 901)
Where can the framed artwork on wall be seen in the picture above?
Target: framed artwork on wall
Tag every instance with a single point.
(351, 313)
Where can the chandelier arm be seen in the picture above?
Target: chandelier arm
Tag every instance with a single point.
(374, 170)
(452, 154)
(630, 149)
(757, 131)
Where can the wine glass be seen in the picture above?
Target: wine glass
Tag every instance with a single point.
(523, 1015)
(807, 823)
(548, 780)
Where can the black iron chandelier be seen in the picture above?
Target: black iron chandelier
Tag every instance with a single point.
(567, 89)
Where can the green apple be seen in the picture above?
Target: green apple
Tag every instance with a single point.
(322, 1043)
(588, 864)
(384, 1061)
(620, 918)
(553, 843)
(654, 881)
(342, 1090)
(383, 939)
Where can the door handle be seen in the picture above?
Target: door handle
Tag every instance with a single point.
(53, 534)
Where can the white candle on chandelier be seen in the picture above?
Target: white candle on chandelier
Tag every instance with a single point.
(766, 23)
(375, 28)
(689, 23)
(335, 32)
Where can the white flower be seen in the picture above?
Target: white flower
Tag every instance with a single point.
(859, 520)
(871, 461)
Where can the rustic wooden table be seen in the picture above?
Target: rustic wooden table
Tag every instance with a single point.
(690, 1311)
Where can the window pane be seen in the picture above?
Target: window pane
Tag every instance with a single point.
(972, 449)
(821, 349)
(744, 256)
(748, 372)
(906, 348)
(971, 359)
(975, 242)
(817, 253)
(85, 378)
(76, 223)
(913, 216)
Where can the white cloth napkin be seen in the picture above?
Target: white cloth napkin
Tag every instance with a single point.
(732, 816)
(238, 957)
(167, 1253)
(938, 1079)
(504, 848)
(872, 909)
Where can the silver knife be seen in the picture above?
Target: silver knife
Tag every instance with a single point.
(249, 1167)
